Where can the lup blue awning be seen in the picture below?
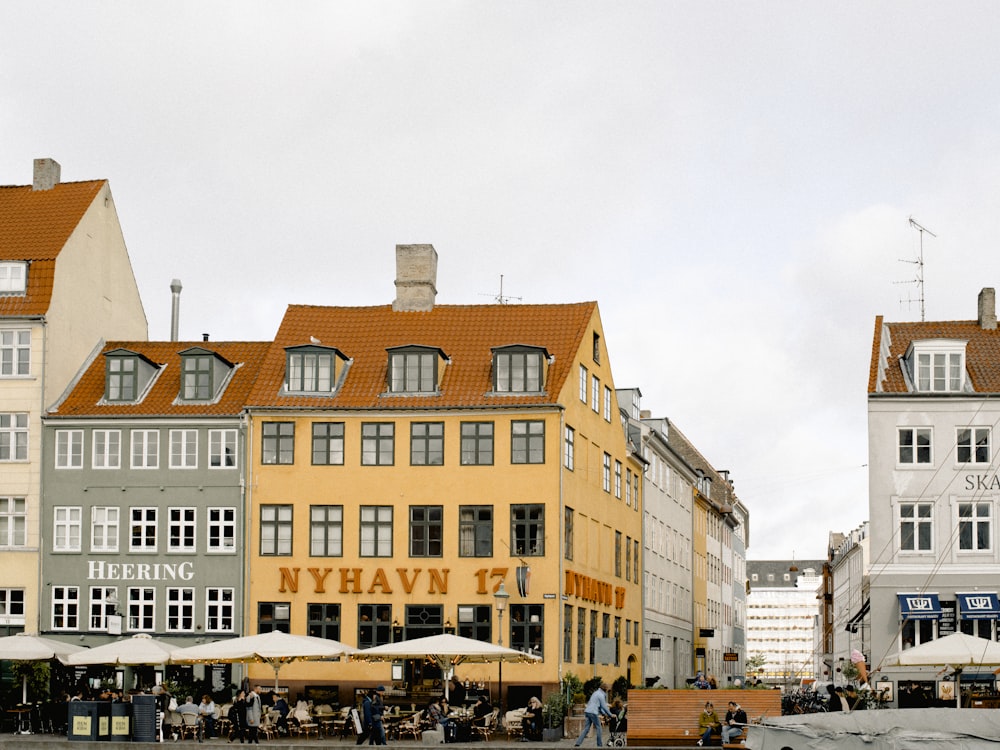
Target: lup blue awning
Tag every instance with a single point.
(919, 606)
(979, 606)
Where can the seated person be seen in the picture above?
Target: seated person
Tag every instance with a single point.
(437, 711)
(736, 719)
(531, 722)
(708, 723)
(206, 709)
(480, 711)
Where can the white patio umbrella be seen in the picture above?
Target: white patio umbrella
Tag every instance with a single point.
(957, 651)
(139, 650)
(32, 647)
(447, 650)
(274, 648)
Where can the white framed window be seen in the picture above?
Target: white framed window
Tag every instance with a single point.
(914, 445)
(184, 449)
(142, 608)
(607, 404)
(569, 448)
(100, 607)
(940, 372)
(974, 527)
(181, 530)
(66, 528)
(222, 449)
(916, 527)
(142, 530)
(15, 353)
(595, 394)
(107, 449)
(145, 449)
(13, 275)
(12, 607)
(13, 522)
(220, 610)
(222, 530)
(583, 383)
(972, 445)
(69, 449)
(104, 526)
(65, 607)
(180, 610)
(13, 437)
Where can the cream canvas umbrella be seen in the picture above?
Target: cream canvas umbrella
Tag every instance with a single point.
(32, 647)
(139, 650)
(957, 651)
(274, 648)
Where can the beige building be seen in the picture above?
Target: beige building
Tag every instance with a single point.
(66, 283)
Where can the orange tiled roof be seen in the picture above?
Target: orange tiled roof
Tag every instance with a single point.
(34, 226)
(465, 333)
(982, 353)
(84, 399)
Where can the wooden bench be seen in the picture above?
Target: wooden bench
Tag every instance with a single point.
(670, 717)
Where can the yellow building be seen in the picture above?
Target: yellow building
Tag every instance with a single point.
(408, 460)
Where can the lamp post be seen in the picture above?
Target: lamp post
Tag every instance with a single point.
(500, 596)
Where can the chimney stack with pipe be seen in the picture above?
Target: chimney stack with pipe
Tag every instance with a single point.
(175, 308)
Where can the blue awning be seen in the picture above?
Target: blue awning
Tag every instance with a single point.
(979, 606)
(919, 606)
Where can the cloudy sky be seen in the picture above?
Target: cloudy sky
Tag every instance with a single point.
(731, 181)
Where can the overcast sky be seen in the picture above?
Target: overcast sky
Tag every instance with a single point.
(731, 182)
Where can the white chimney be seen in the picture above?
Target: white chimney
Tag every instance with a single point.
(46, 174)
(416, 278)
(175, 308)
(988, 309)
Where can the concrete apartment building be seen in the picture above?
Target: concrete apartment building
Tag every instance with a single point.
(934, 488)
(66, 284)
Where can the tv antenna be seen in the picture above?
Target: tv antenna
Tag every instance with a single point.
(919, 263)
(501, 299)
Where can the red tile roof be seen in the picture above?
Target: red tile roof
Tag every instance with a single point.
(465, 333)
(982, 353)
(34, 226)
(85, 398)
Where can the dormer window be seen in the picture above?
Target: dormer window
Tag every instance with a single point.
(937, 366)
(13, 277)
(203, 374)
(414, 369)
(126, 375)
(519, 369)
(313, 369)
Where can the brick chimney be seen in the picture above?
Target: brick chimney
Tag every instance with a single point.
(416, 278)
(46, 174)
(988, 309)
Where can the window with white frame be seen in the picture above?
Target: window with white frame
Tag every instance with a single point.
(569, 447)
(583, 383)
(13, 275)
(326, 530)
(66, 528)
(69, 449)
(940, 372)
(104, 526)
(916, 527)
(220, 610)
(12, 607)
(222, 449)
(107, 449)
(13, 437)
(65, 607)
(222, 530)
(145, 449)
(607, 404)
(973, 445)
(914, 445)
(595, 394)
(15, 352)
(184, 449)
(180, 609)
(376, 531)
(142, 608)
(13, 522)
(181, 530)
(142, 530)
(974, 526)
(100, 606)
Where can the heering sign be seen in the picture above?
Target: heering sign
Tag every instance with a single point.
(100, 570)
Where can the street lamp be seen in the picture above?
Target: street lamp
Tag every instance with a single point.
(500, 596)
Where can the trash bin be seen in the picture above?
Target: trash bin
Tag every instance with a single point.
(121, 721)
(89, 720)
(144, 718)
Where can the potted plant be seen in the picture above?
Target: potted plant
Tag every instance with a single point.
(555, 713)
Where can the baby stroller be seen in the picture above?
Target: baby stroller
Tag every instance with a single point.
(617, 727)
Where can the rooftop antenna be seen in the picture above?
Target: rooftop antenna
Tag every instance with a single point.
(500, 299)
(919, 263)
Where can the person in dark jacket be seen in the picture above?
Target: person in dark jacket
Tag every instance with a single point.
(366, 718)
(835, 701)
(238, 717)
(377, 734)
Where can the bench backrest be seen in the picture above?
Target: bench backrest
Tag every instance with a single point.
(653, 713)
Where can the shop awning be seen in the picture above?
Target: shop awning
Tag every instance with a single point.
(979, 606)
(919, 606)
(855, 622)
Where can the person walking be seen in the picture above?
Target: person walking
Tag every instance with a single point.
(377, 735)
(238, 717)
(253, 717)
(366, 717)
(596, 707)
